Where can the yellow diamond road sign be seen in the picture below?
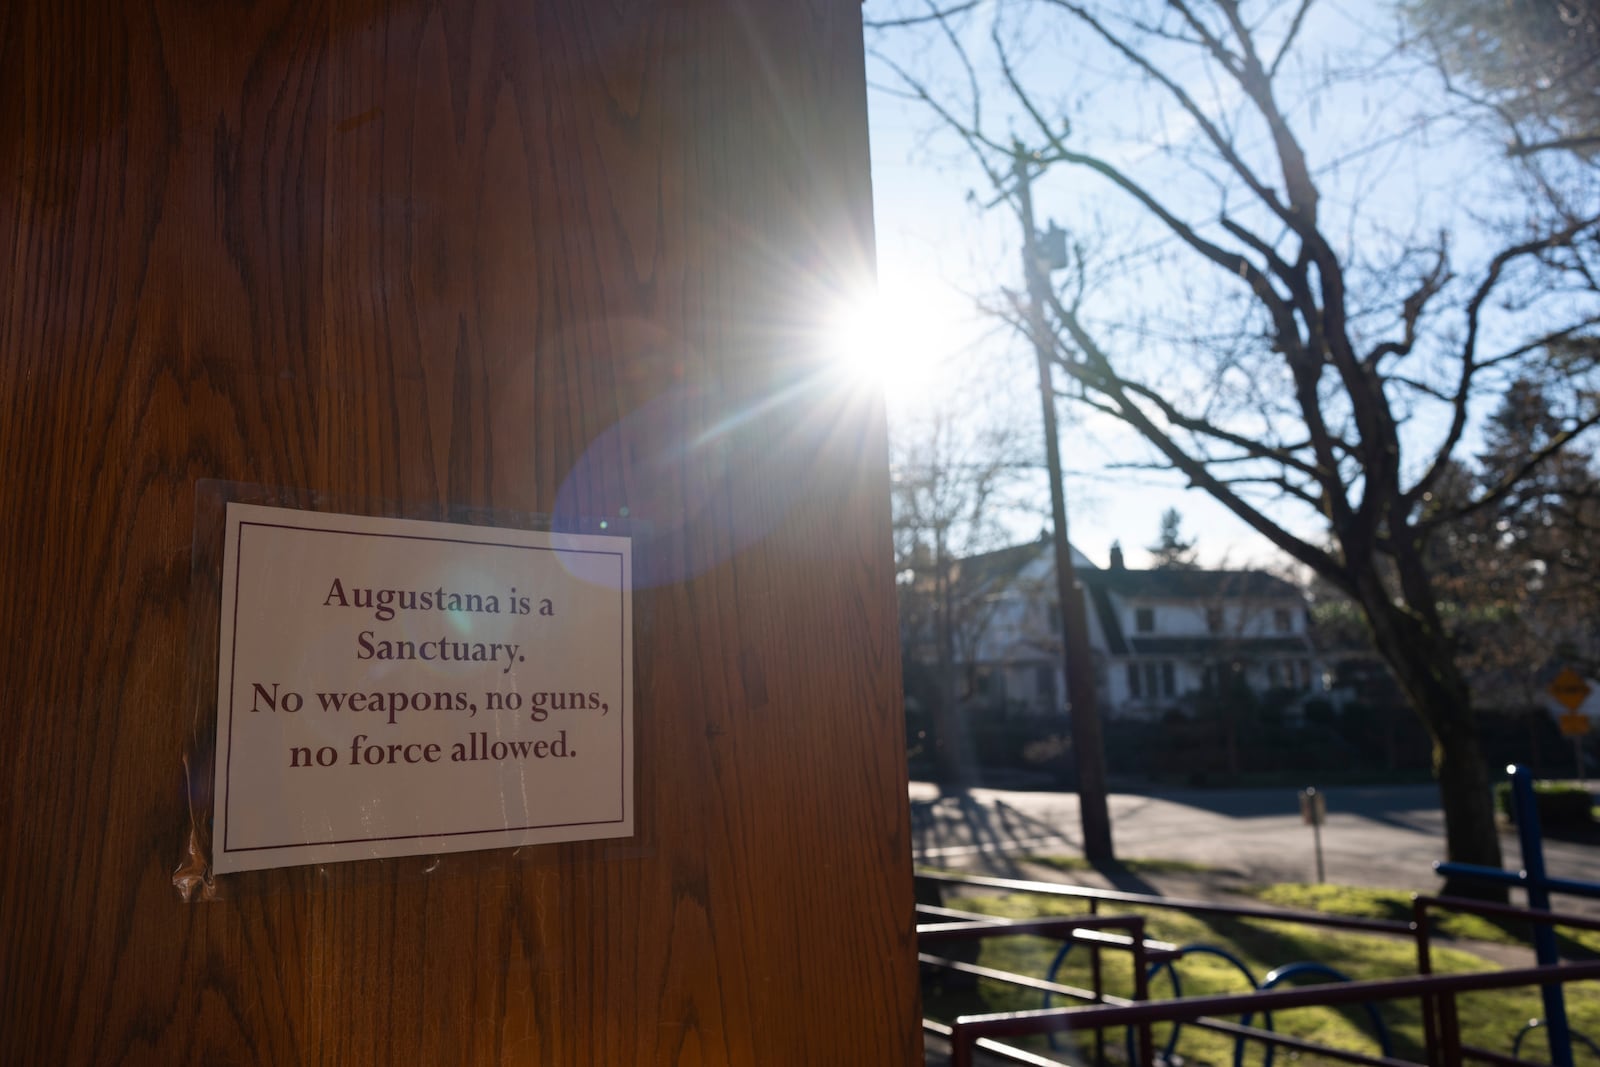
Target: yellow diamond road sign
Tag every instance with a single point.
(1569, 689)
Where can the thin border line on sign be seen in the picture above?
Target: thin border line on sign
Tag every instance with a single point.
(227, 784)
(438, 833)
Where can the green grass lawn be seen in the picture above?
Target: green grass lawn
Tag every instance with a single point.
(1490, 1020)
(1396, 904)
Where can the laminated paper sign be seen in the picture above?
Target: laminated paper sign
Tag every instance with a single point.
(389, 687)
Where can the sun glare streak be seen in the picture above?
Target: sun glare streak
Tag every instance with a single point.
(751, 411)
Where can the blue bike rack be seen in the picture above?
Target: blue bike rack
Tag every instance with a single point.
(1538, 884)
(1294, 970)
(1534, 1024)
(1177, 992)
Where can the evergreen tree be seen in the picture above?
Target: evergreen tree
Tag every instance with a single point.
(1534, 62)
(1519, 569)
(1171, 551)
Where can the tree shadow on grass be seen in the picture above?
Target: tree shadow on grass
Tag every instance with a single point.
(957, 829)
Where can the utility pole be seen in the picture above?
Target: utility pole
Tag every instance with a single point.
(1088, 746)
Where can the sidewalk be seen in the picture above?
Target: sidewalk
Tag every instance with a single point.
(1381, 837)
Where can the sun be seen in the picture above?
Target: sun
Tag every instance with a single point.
(897, 338)
(866, 340)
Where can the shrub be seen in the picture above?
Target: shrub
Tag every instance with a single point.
(1559, 805)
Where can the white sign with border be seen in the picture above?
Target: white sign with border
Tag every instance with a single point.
(392, 687)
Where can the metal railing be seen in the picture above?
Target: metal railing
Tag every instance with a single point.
(1099, 1011)
(1444, 1050)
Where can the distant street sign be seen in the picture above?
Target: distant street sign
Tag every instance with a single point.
(1313, 807)
(1569, 689)
(1574, 724)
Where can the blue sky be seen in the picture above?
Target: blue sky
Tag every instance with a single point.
(942, 251)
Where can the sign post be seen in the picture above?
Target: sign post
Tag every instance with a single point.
(1313, 811)
(1570, 691)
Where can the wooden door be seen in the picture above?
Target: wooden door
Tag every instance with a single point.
(504, 254)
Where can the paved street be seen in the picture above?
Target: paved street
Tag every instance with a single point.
(1380, 836)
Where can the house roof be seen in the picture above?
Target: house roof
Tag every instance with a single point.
(1177, 584)
(1100, 603)
(1004, 564)
(1000, 566)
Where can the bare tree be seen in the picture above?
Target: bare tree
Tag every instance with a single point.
(1309, 362)
(952, 471)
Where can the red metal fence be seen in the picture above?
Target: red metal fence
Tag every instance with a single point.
(1099, 1011)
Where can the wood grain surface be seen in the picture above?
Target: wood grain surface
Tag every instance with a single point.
(560, 257)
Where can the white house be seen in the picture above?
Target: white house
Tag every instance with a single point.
(1160, 638)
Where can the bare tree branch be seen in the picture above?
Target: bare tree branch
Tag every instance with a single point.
(1223, 146)
(1468, 354)
(1253, 448)
(1576, 143)
(1095, 372)
(935, 15)
(1411, 310)
(1288, 38)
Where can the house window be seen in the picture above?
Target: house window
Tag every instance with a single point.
(1144, 620)
(1220, 677)
(1282, 621)
(1055, 618)
(1214, 620)
(1045, 683)
(1152, 681)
